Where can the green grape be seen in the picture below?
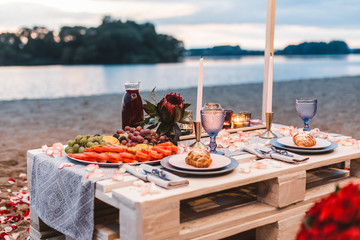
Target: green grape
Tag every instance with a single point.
(78, 138)
(102, 142)
(76, 147)
(67, 149)
(97, 139)
(71, 150)
(96, 143)
(91, 139)
(81, 149)
(83, 141)
(71, 143)
(89, 144)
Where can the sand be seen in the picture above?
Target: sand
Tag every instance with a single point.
(28, 124)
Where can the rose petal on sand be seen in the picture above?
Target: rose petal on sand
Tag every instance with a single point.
(11, 181)
(8, 229)
(92, 167)
(22, 175)
(15, 235)
(66, 165)
(44, 148)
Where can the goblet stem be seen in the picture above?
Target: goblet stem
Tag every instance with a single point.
(212, 145)
(306, 125)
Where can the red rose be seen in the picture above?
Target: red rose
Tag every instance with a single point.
(352, 233)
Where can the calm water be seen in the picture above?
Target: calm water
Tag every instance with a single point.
(68, 81)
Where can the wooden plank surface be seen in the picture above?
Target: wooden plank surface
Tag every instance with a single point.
(200, 186)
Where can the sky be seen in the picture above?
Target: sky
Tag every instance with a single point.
(200, 23)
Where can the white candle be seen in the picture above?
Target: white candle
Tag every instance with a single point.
(269, 86)
(199, 91)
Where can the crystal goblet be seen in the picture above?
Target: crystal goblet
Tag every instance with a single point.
(212, 120)
(306, 108)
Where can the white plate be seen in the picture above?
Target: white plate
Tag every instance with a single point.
(288, 141)
(218, 161)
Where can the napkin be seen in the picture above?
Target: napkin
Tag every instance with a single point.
(159, 177)
(273, 153)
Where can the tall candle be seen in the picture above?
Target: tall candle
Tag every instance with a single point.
(269, 86)
(199, 91)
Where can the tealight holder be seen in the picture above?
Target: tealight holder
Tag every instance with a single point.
(198, 143)
(268, 134)
(247, 116)
(238, 120)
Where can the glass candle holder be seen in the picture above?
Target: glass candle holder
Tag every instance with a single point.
(247, 118)
(238, 120)
(228, 119)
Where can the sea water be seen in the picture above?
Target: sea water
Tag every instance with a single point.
(34, 82)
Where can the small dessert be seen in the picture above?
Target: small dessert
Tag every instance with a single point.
(304, 139)
(199, 157)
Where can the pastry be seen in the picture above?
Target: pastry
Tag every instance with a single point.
(199, 157)
(304, 139)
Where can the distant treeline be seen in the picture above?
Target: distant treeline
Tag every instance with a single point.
(112, 42)
(305, 48)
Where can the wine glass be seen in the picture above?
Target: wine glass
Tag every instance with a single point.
(212, 120)
(306, 108)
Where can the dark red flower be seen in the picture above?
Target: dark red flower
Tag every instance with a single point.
(171, 101)
(352, 233)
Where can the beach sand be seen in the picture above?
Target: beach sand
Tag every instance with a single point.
(29, 124)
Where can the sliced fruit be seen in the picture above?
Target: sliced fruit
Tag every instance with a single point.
(111, 140)
(162, 151)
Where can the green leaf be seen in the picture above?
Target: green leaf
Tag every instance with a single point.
(186, 105)
(177, 114)
(165, 116)
(152, 126)
(153, 95)
(149, 107)
(164, 128)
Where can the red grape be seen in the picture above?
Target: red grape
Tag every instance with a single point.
(130, 135)
(138, 128)
(127, 128)
(120, 131)
(134, 139)
(123, 142)
(140, 139)
(136, 133)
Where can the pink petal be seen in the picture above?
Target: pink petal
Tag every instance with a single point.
(92, 167)
(118, 177)
(44, 148)
(66, 165)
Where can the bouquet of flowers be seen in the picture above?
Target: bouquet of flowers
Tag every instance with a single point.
(334, 217)
(166, 115)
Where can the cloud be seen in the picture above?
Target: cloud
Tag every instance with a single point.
(252, 36)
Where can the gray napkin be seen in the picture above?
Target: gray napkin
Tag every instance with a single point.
(273, 153)
(159, 177)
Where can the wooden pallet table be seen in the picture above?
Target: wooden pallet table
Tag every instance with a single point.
(266, 204)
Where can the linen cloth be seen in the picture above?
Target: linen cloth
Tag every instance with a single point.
(168, 181)
(64, 198)
(266, 152)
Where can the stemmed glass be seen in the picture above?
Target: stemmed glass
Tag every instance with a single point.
(306, 108)
(212, 120)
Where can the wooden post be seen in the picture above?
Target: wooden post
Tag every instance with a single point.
(150, 220)
(283, 190)
(282, 230)
(269, 52)
(355, 168)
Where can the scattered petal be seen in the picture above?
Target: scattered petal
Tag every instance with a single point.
(96, 174)
(22, 175)
(118, 176)
(122, 170)
(8, 229)
(11, 181)
(15, 235)
(92, 167)
(66, 165)
(139, 183)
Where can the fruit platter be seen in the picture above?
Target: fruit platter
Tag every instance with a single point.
(129, 145)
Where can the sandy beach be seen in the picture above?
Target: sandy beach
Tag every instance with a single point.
(29, 124)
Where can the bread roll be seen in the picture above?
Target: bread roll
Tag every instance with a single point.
(304, 139)
(199, 157)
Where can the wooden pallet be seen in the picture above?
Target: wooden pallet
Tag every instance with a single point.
(268, 203)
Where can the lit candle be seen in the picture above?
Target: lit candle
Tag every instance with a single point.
(238, 120)
(269, 86)
(199, 91)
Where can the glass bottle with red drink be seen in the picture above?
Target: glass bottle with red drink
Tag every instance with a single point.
(132, 109)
